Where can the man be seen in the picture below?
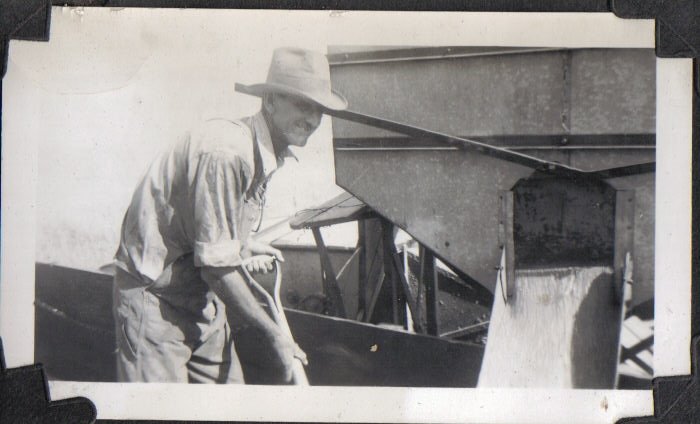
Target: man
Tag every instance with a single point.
(185, 235)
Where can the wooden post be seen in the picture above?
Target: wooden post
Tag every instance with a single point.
(361, 271)
(406, 292)
(330, 283)
(624, 237)
(389, 268)
(374, 273)
(622, 262)
(375, 296)
(428, 277)
(507, 205)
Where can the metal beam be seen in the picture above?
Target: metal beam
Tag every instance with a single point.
(624, 238)
(340, 58)
(361, 271)
(390, 270)
(630, 352)
(375, 296)
(486, 149)
(507, 223)
(330, 283)
(398, 269)
(428, 277)
(347, 263)
(461, 332)
(646, 141)
(463, 143)
(479, 147)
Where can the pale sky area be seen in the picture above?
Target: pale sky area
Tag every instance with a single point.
(111, 89)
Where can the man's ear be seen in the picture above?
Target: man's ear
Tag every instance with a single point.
(268, 102)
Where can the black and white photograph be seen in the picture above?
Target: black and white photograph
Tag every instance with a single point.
(249, 204)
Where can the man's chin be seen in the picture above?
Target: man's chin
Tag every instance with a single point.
(298, 141)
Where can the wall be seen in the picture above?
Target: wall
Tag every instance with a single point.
(111, 89)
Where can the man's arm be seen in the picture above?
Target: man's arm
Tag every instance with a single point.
(230, 286)
(216, 192)
(258, 256)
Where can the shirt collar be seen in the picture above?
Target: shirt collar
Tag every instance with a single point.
(270, 162)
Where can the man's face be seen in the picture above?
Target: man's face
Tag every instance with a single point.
(294, 119)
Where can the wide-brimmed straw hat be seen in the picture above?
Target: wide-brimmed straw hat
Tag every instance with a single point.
(300, 73)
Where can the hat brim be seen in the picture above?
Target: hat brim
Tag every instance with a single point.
(332, 100)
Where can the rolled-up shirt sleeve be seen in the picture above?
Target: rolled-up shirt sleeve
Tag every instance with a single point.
(217, 191)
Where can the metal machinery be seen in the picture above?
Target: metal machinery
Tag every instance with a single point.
(543, 162)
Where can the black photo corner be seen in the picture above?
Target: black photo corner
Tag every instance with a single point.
(24, 394)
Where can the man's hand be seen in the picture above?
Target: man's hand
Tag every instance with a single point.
(287, 352)
(258, 263)
(258, 256)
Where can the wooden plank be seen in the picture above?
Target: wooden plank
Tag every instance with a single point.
(330, 283)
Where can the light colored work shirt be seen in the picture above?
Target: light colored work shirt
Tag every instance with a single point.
(196, 205)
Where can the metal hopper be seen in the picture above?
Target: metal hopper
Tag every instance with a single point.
(497, 206)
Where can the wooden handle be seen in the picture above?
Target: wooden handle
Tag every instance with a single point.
(277, 311)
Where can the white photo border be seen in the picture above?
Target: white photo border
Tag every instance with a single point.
(378, 404)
